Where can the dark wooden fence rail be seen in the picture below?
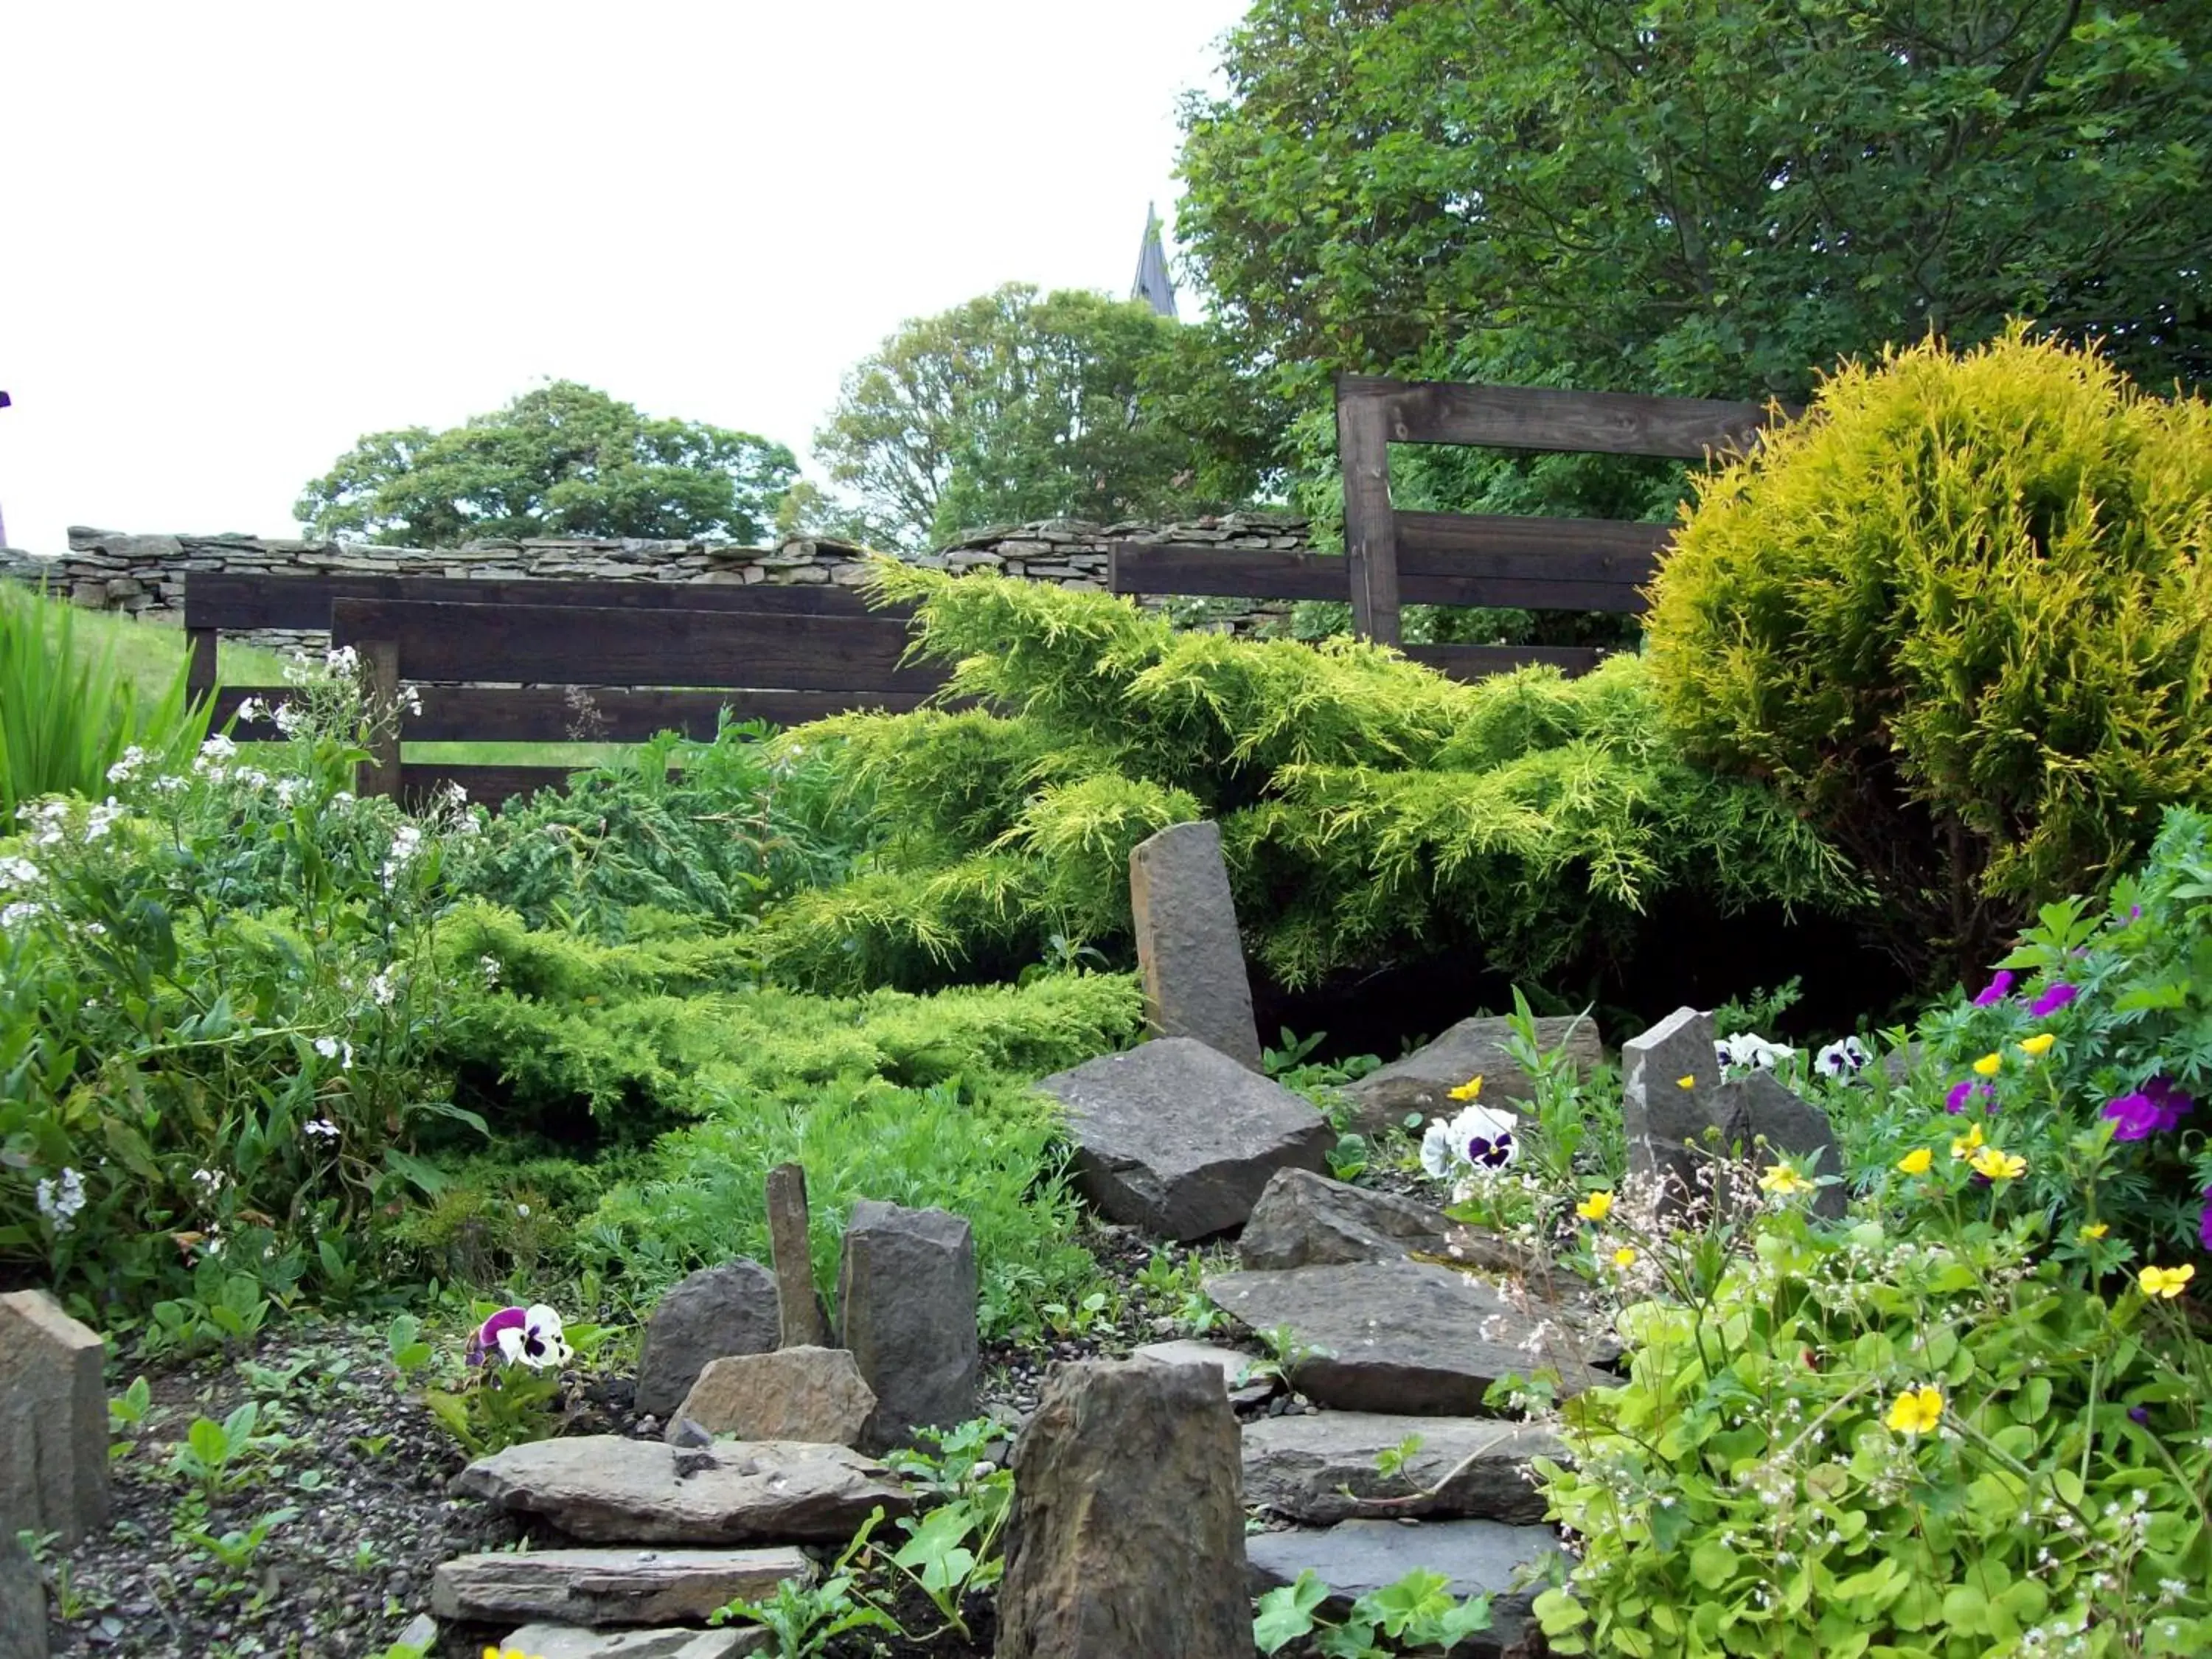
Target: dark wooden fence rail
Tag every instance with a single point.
(1394, 558)
(545, 661)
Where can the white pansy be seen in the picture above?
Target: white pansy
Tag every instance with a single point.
(536, 1342)
(1478, 1138)
(1748, 1049)
(1842, 1058)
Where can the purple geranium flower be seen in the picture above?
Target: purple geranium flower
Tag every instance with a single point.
(2053, 1000)
(2135, 1115)
(1964, 1090)
(2165, 1095)
(1996, 990)
(2138, 1414)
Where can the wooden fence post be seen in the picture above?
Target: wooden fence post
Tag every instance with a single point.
(1371, 531)
(200, 673)
(379, 774)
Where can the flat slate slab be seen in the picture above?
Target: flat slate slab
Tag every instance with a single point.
(606, 1489)
(1179, 1139)
(607, 1587)
(1231, 1363)
(573, 1642)
(1406, 1336)
(1318, 1467)
(1355, 1557)
(1423, 1081)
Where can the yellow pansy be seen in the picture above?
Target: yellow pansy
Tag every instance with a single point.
(1997, 1165)
(1782, 1179)
(2168, 1282)
(2039, 1045)
(1595, 1208)
(1625, 1256)
(2093, 1231)
(1916, 1411)
(1966, 1144)
(1917, 1161)
(1988, 1064)
(1470, 1089)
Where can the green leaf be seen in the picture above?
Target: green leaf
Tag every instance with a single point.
(1285, 1613)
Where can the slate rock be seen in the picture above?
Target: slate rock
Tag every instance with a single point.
(1406, 1336)
(53, 1421)
(1475, 1556)
(1319, 1467)
(1179, 1139)
(794, 1394)
(607, 1587)
(1231, 1363)
(1303, 1220)
(1672, 1125)
(22, 1601)
(717, 1312)
(1766, 1117)
(1127, 1535)
(573, 1642)
(1423, 1081)
(906, 1299)
(604, 1489)
(1190, 957)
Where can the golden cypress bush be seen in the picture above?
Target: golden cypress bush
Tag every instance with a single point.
(1958, 615)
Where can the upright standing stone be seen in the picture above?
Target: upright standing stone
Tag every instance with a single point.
(1769, 1120)
(906, 1296)
(53, 1419)
(802, 1323)
(1669, 1079)
(1127, 1530)
(22, 1600)
(716, 1311)
(1188, 953)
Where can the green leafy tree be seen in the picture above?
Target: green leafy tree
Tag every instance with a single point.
(1020, 406)
(1701, 197)
(561, 460)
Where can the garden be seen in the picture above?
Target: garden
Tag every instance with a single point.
(369, 1138)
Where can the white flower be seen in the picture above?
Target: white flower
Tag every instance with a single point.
(332, 1048)
(289, 721)
(406, 842)
(21, 873)
(287, 790)
(168, 785)
(322, 1127)
(456, 795)
(132, 759)
(490, 966)
(252, 710)
(218, 747)
(101, 819)
(381, 988)
(536, 1341)
(344, 660)
(523, 1209)
(1478, 1138)
(1747, 1049)
(60, 1201)
(1842, 1058)
(22, 911)
(47, 819)
(410, 700)
(210, 1181)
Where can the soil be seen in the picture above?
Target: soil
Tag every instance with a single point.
(358, 1471)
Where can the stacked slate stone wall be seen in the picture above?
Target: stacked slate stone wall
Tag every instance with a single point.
(145, 574)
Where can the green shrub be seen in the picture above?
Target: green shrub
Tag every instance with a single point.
(1371, 810)
(66, 716)
(1960, 616)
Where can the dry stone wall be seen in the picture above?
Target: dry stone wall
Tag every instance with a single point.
(146, 574)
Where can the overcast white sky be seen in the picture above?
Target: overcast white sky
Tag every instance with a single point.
(234, 238)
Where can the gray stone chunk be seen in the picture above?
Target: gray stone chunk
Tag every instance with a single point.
(22, 1601)
(1406, 1336)
(1231, 1363)
(604, 1489)
(1127, 1535)
(716, 1311)
(794, 1394)
(1319, 1467)
(1761, 1111)
(1303, 1220)
(1475, 1556)
(1190, 955)
(803, 1323)
(601, 1587)
(53, 1421)
(573, 1642)
(1423, 1081)
(906, 1301)
(1669, 1079)
(1177, 1138)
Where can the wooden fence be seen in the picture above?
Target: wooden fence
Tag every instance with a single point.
(547, 662)
(1393, 558)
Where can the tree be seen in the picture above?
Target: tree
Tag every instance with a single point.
(561, 460)
(1016, 405)
(1703, 196)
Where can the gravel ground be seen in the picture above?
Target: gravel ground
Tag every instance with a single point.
(356, 1471)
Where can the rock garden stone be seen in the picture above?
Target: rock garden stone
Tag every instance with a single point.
(53, 1419)
(1423, 1081)
(1769, 1120)
(794, 1394)
(1179, 1139)
(1231, 1363)
(22, 1601)
(604, 1489)
(717, 1312)
(802, 1323)
(906, 1293)
(1475, 1556)
(1669, 1085)
(1127, 1536)
(1406, 1336)
(573, 1642)
(1319, 1467)
(608, 1587)
(1303, 1220)
(1190, 955)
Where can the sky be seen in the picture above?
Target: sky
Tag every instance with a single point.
(234, 237)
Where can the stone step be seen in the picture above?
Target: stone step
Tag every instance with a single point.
(1319, 1467)
(1408, 1336)
(599, 1588)
(1355, 1557)
(573, 1642)
(1231, 1363)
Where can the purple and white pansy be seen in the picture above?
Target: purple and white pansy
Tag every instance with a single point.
(1477, 1139)
(521, 1336)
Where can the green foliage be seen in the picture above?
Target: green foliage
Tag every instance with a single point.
(1018, 406)
(1419, 1612)
(1371, 809)
(1710, 198)
(220, 1457)
(562, 459)
(1957, 616)
(66, 715)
